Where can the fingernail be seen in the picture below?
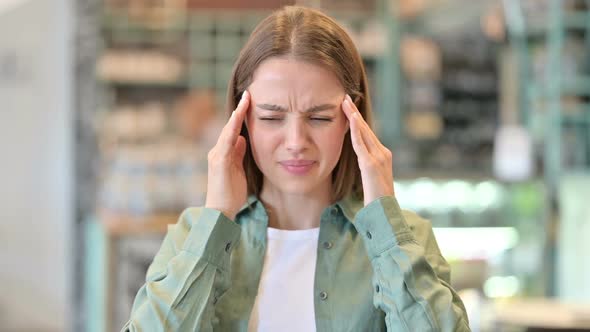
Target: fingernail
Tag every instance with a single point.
(244, 94)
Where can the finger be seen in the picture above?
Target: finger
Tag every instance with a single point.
(371, 139)
(365, 128)
(348, 109)
(358, 143)
(231, 130)
(354, 116)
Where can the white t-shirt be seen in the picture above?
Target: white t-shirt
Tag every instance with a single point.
(285, 294)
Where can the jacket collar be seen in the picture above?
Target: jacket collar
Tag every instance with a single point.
(255, 207)
(348, 206)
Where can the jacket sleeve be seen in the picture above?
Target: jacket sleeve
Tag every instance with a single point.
(411, 279)
(187, 276)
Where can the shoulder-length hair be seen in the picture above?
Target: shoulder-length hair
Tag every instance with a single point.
(308, 35)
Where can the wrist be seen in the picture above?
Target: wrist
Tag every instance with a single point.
(228, 214)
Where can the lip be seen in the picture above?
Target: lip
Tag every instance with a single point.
(297, 166)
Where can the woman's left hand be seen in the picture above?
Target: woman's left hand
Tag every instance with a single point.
(374, 159)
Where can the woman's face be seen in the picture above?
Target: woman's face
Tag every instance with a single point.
(296, 124)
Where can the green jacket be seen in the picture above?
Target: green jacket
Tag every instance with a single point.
(378, 269)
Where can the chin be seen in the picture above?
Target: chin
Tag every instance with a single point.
(295, 186)
(298, 188)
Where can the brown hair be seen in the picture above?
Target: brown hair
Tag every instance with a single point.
(307, 35)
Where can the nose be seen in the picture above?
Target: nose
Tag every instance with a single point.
(296, 136)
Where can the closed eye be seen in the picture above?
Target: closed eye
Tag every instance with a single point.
(280, 119)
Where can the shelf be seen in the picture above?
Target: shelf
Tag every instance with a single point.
(149, 84)
(577, 119)
(579, 86)
(537, 25)
(119, 225)
(577, 20)
(442, 19)
(119, 20)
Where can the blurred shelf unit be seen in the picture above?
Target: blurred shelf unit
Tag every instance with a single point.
(195, 49)
(118, 252)
(535, 16)
(123, 225)
(450, 102)
(553, 75)
(436, 18)
(550, 41)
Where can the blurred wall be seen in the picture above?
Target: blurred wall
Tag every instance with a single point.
(36, 164)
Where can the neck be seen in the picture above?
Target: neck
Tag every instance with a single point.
(295, 211)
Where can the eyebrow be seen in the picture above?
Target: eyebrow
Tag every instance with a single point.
(313, 109)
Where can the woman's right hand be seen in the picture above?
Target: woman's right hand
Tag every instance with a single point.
(227, 190)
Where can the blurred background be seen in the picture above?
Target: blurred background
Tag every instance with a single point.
(108, 109)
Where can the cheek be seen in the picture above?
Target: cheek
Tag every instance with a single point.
(331, 141)
(262, 143)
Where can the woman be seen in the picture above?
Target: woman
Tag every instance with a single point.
(301, 230)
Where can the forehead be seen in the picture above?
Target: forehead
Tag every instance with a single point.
(278, 78)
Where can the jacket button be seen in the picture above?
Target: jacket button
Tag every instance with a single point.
(377, 289)
(327, 245)
(227, 247)
(323, 296)
(369, 236)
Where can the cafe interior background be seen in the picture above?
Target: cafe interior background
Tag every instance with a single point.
(108, 108)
